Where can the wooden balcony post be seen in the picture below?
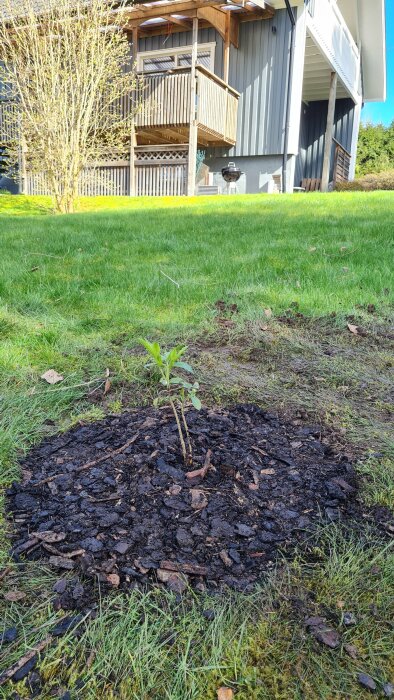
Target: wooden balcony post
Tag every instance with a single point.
(191, 179)
(329, 133)
(135, 43)
(132, 188)
(226, 48)
(133, 139)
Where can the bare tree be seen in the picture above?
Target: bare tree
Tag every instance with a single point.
(67, 78)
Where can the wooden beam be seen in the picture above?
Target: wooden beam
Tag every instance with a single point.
(173, 8)
(162, 29)
(226, 48)
(184, 23)
(193, 131)
(215, 17)
(244, 5)
(135, 43)
(329, 133)
(234, 29)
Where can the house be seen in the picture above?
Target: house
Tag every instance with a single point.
(275, 87)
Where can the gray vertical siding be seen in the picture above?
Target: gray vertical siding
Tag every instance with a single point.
(258, 70)
(312, 136)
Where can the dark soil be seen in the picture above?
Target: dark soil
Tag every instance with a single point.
(129, 515)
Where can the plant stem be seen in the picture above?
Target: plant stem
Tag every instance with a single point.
(175, 412)
(189, 444)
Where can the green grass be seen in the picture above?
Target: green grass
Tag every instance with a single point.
(77, 291)
(149, 646)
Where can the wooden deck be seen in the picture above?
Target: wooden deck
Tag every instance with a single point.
(165, 114)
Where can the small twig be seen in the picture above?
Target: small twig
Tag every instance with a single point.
(48, 255)
(115, 497)
(68, 388)
(78, 386)
(10, 672)
(170, 278)
(58, 553)
(257, 449)
(90, 658)
(109, 454)
(93, 463)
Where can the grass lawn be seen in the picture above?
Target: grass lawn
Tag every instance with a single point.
(77, 291)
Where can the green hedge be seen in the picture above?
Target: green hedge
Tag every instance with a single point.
(367, 183)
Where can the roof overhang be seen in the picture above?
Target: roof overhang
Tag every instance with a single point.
(154, 16)
(366, 20)
(372, 33)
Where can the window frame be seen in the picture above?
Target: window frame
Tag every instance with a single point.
(177, 51)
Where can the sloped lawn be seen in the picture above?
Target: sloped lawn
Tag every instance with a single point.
(286, 304)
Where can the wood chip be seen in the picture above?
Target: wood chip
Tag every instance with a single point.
(192, 569)
(61, 562)
(351, 650)
(5, 572)
(49, 536)
(12, 670)
(14, 596)
(225, 558)
(199, 499)
(175, 581)
(26, 546)
(201, 473)
(225, 693)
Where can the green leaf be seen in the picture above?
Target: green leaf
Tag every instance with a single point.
(185, 366)
(177, 380)
(195, 401)
(153, 349)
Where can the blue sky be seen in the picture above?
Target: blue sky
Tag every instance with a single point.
(384, 111)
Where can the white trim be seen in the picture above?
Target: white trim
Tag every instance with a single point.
(178, 51)
(298, 80)
(332, 36)
(356, 128)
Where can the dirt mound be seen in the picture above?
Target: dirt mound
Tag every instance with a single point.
(112, 499)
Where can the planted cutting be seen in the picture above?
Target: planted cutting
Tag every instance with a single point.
(175, 390)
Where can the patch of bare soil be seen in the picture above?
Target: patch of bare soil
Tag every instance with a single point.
(112, 501)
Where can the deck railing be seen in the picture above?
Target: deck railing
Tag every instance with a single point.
(330, 32)
(165, 102)
(8, 122)
(342, 162)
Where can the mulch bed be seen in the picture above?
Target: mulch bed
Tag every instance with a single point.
(113, 501)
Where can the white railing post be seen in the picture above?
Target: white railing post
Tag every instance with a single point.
(329, 131)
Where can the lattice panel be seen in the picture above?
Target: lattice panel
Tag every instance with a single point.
(161, 154)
